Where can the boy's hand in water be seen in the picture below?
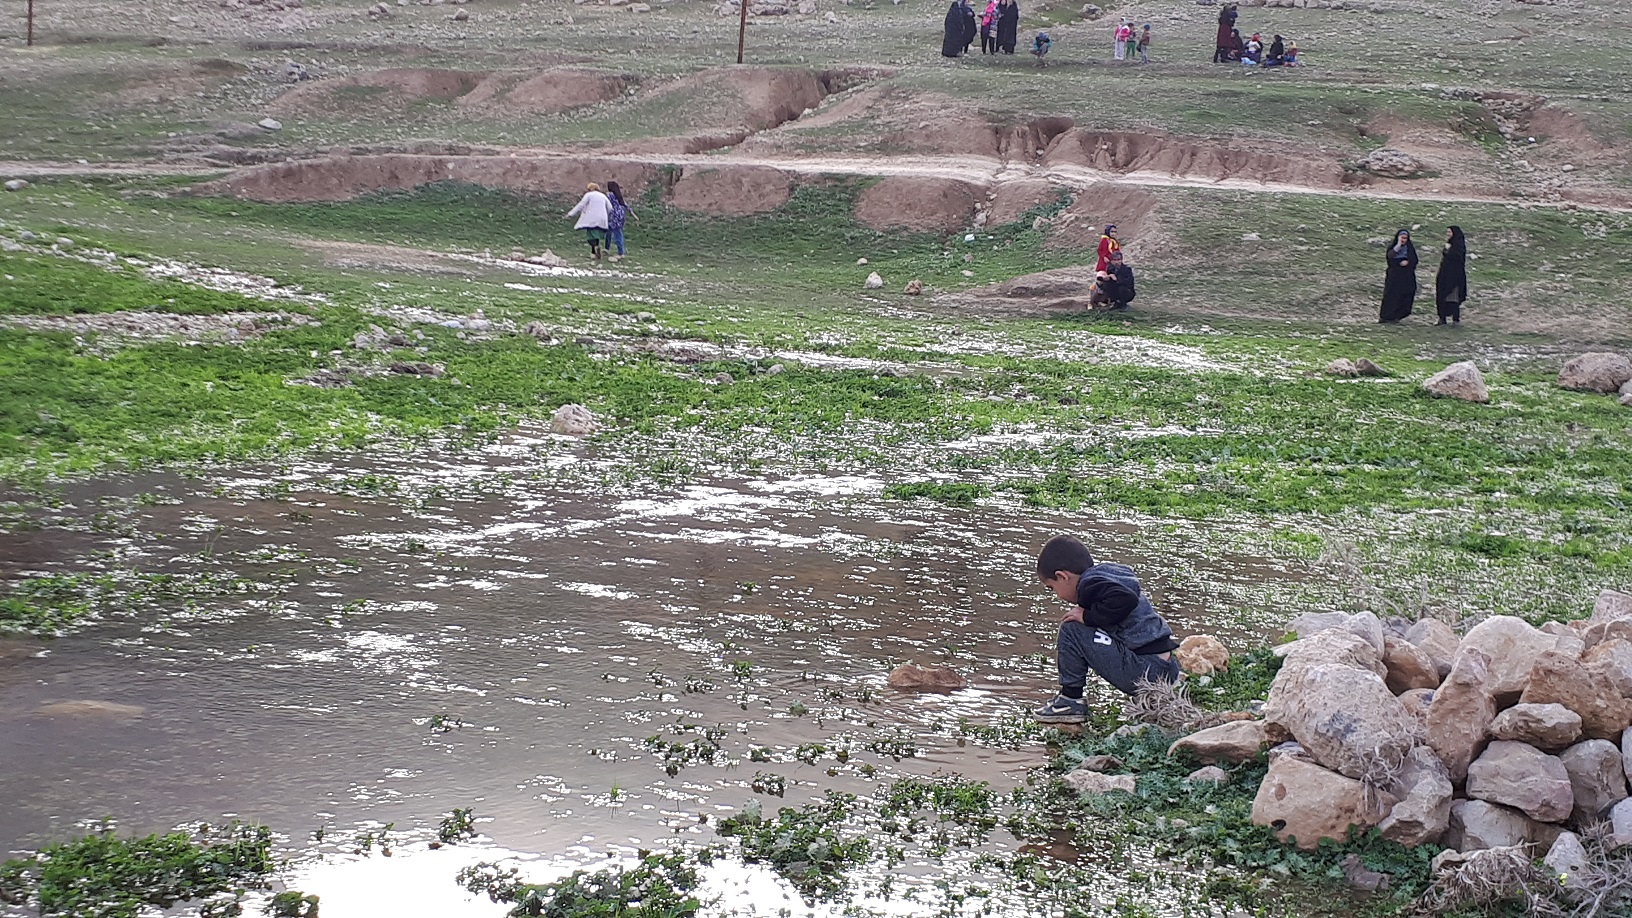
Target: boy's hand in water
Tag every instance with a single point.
(1073, 614)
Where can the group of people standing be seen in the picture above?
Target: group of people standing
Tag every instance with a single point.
(602, 215)
(1249, 52)
(1113, 279)
(1450, 282)
(998, 26)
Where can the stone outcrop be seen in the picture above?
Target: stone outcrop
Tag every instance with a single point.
(1303, 802)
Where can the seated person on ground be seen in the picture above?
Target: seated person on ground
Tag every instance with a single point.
(1291, 54)
(1040, 45)
(1113, 287)
(1110, 629)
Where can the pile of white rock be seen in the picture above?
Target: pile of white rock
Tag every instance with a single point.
(1509, 735)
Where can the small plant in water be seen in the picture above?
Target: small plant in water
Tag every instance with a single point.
(292, 904)
(660, 886)
(458, 826)
(804, 846)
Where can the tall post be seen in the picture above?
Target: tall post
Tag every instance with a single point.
(31, 25)
(742, 27)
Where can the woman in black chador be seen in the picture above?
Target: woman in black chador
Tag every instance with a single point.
(1008, 26)
(1451, 283)
(952, 44)
(1400, 285)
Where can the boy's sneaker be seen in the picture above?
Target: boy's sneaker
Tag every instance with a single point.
(1063, 710)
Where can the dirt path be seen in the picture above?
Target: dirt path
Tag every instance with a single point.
(983, 169)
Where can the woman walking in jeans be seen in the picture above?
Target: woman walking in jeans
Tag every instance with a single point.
(614, 221)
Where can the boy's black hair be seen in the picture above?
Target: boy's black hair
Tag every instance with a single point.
(1063, 553)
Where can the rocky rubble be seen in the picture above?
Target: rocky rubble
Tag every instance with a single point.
(1526, 734)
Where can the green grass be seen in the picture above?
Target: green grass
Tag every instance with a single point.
(60, 285)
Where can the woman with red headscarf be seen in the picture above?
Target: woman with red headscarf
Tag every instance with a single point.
(1107, 245)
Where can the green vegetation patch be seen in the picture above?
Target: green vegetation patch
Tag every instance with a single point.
(660, 886)
(59, 285)
(105, 876)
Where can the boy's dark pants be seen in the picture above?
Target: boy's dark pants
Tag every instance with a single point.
(1085, 650)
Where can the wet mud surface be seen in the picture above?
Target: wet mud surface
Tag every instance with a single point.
(588, 670)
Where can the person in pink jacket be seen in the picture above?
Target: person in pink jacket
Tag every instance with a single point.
(593, 211)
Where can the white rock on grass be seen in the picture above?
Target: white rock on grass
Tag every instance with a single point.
(573, 420)
(270, 124)
(1459, 380)
(1202, 655)
(874, 281)
(1234, 742)
(1600, 371)
(1342, 366)
(1523, 777)
(16, 184)
(1597, 778)
(1084, 781)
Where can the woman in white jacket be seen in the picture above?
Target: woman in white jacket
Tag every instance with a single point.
(593, 210)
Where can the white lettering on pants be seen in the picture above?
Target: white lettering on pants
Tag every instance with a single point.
(1101, 637)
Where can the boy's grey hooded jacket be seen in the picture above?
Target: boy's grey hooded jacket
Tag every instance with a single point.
(1112, 601)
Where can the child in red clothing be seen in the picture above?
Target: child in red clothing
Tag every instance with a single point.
(1107, 245)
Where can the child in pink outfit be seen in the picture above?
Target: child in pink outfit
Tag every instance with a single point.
(1123, 34)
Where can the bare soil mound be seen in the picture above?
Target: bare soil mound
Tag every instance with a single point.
(733, 191)
(1165, 154)
(548, 93)
(750, 98)
(341, 178)
(1011, 199)
(170, 83)
(1132, 210)
(910, 202)
(381, 91)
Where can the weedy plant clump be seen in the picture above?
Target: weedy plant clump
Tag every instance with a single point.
(659, 886)
(102, 875)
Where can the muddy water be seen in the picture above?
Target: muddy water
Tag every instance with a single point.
(512, 650)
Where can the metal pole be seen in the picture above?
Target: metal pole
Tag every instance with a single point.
(31, 24)
(742, 28)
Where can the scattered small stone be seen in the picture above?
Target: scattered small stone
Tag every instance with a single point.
(16, 184)
(1393, 164)
(861, 261)
(1100, 763)
(914, 287)
(573, 420)
(874, 281)
(723, 379)
(1367, 368)
(912, 677)
(1250, 237)
(270, 124)
(1208, 774)
(63, 242)
(1092, 782)
(1342, 366)
(645, 317)
(1362, 879)
(775, 369)
(1202, 655)
(418, 368)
